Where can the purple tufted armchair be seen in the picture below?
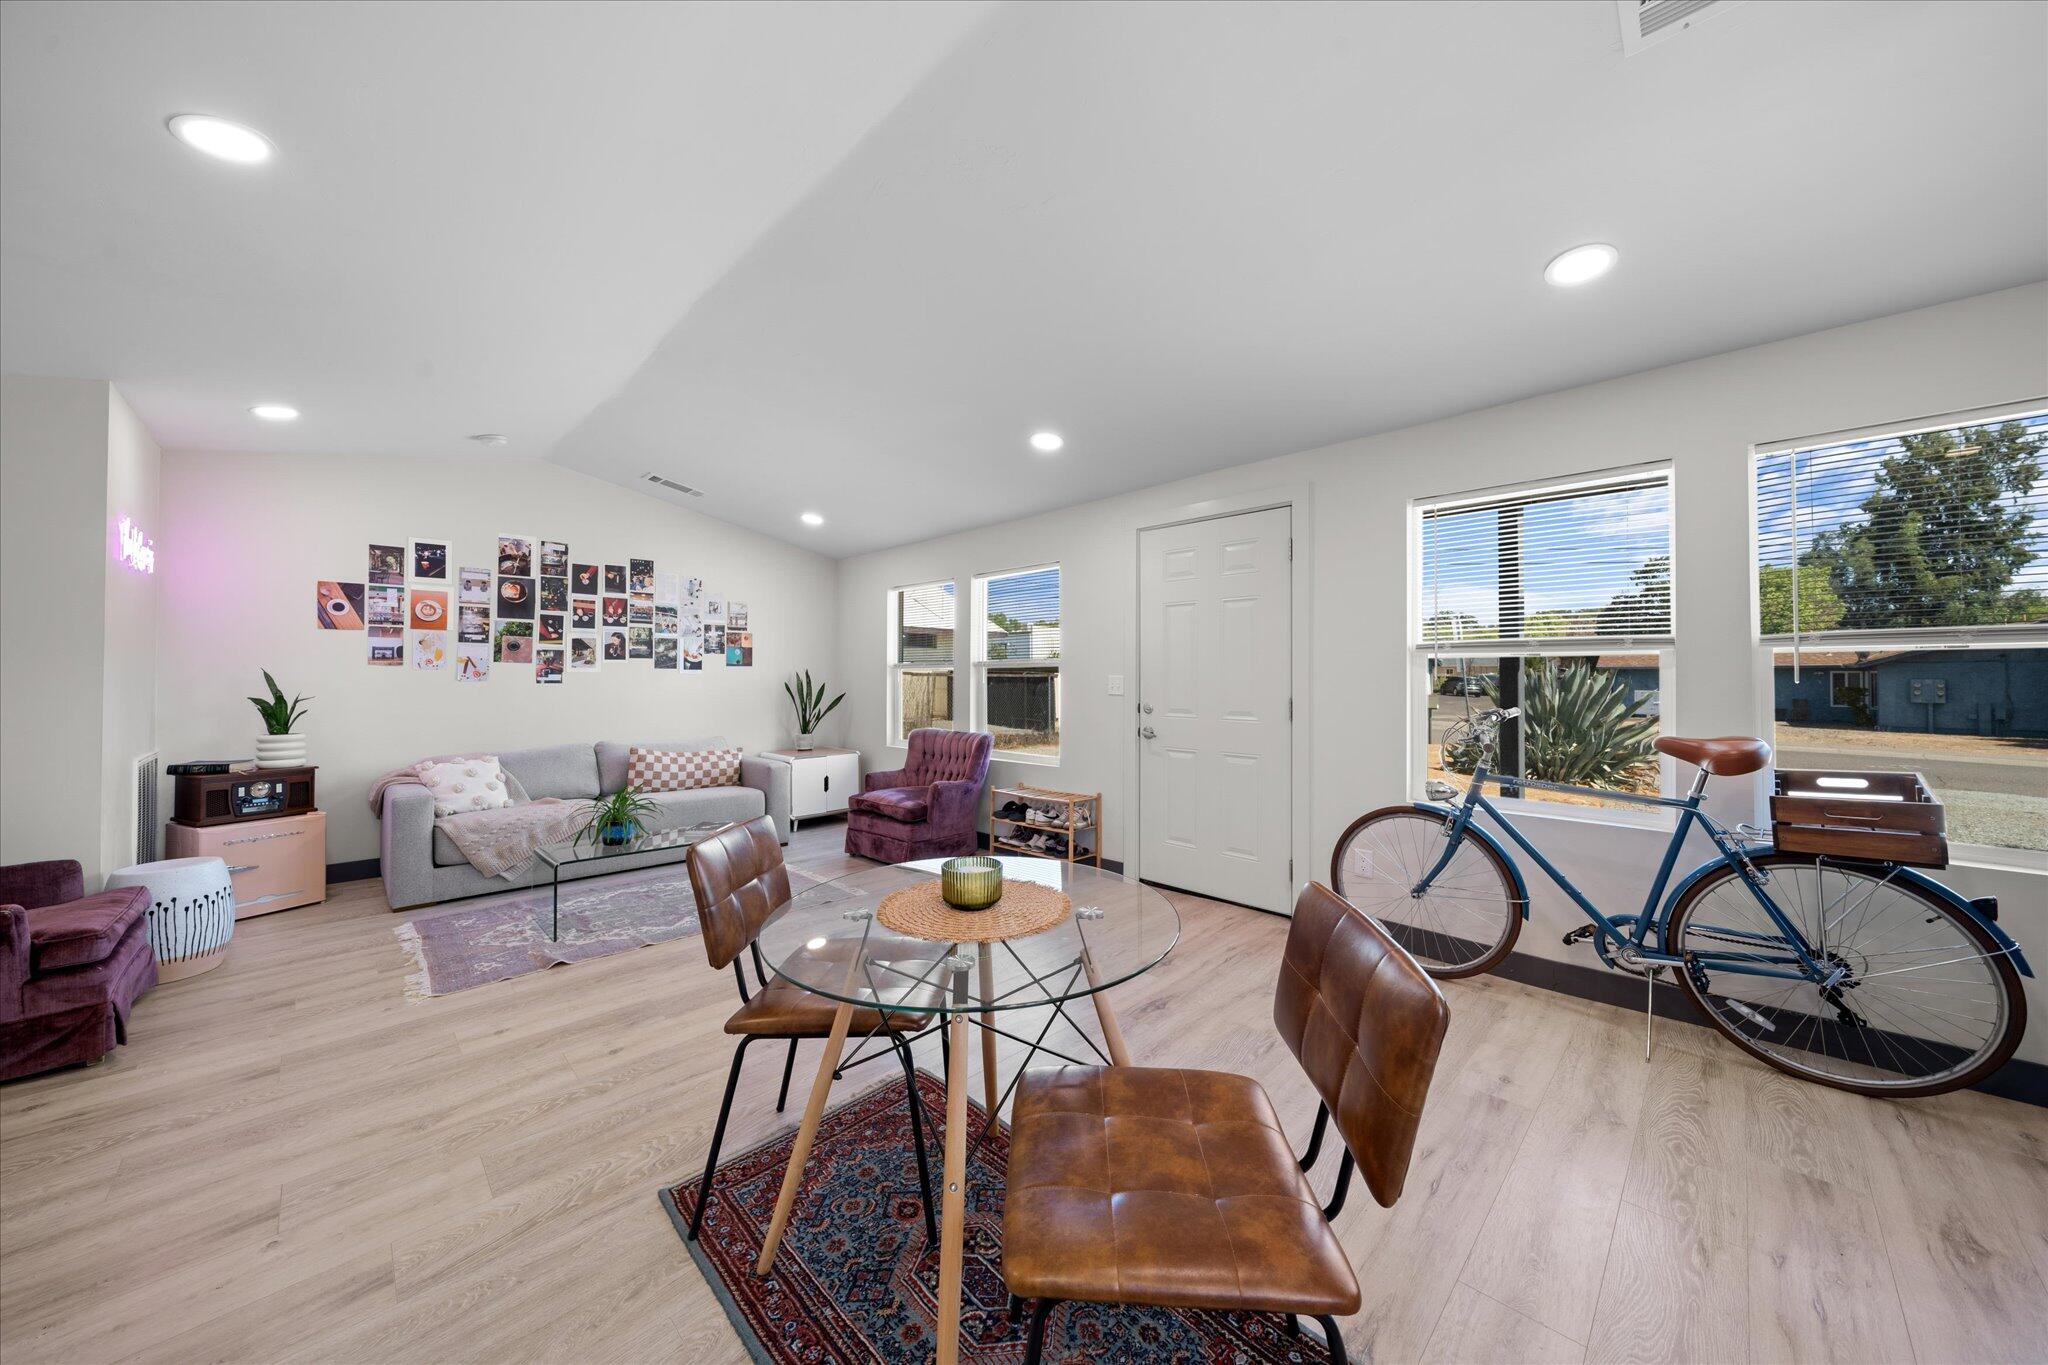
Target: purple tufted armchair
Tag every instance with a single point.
(926, 808)
(71, 966)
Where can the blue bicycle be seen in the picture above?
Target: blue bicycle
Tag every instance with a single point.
(1866, 976)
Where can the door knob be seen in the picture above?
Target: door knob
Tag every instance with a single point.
(1147, 732)
(1146, 707)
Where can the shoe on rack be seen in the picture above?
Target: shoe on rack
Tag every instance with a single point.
(1014, 810)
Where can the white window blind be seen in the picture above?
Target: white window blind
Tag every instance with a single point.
(1021, 617)
(1586, 561)
(1936, 533)
(924, 620)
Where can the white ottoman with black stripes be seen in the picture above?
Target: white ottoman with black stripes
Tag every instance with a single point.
(191, 912)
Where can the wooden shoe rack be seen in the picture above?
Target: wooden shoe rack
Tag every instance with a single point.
(1079, 821)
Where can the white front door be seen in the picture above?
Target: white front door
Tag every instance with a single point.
(1215, 659)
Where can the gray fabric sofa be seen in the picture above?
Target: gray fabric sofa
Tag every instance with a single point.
(421, 865)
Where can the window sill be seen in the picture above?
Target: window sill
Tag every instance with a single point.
(1031, 760)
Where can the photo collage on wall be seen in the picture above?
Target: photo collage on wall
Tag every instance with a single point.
(536, 606)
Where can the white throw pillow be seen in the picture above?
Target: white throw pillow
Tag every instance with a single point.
(465, 784)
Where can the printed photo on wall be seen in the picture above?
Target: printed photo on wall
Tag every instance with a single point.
(547, 665)
(583, 652)
(714, 641)
(643, 575)
(429, 609)
(430, 650)
(474, 628)
(615, 646)
(428, 559)
(615, 578)
(664, 651)
(736, 616)
(387, 646)
(615, 611)
(384, 605)
(639, 642)
(739, 648)
(583, 613)
(554, 559)
(387, 564)
(693, 589)
(668, 590)
(550, 632)
(339, 605)
(714, 611)
(667, 617)
(472, 662)
(693, 660)
(642, 611)
(475, 590)
(515, 598)
(554, 594)
(587, 578)
(515, 557)
(515, 642)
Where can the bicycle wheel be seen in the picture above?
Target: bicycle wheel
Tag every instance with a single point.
(1464, 924)
(1928, 1002)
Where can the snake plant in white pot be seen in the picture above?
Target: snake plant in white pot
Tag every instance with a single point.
(278, 746)
(811, 707)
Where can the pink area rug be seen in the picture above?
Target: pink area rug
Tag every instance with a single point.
(494, 938)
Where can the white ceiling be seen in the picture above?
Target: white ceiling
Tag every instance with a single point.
(847, 258)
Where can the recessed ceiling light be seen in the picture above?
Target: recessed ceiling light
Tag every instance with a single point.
(218, 138)
(1581, 265)
(275, 412)
(813, 519)
(490, 438)
(1046, 442)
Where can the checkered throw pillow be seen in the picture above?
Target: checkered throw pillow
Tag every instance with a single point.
(676, 770)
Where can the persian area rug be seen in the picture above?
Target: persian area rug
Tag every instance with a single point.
(494, 938)
(856, 1278)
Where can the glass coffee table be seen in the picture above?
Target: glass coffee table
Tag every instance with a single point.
(662, 849)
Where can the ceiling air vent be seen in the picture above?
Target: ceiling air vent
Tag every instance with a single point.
(1644, 22)
(673, 486)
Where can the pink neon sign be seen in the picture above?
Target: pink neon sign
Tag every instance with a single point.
(136, 549)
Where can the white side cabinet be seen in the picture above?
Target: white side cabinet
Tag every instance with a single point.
(820, 780)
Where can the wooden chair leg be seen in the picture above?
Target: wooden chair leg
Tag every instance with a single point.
(782, 1095)
(732, 1080)
(1034, 1344)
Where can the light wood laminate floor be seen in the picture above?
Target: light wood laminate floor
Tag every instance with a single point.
(293, 1161)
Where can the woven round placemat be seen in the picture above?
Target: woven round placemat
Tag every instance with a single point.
(1025, 908)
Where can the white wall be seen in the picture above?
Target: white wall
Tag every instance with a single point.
(77, 630)
(1352, 684)
(53, 562)
(128, 696)
(246, 537)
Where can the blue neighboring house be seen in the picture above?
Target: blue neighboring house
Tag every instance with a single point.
(1947, 691)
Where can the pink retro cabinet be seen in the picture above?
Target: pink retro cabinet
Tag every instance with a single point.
(273, 864)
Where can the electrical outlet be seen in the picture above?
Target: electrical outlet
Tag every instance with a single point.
(1116, 684)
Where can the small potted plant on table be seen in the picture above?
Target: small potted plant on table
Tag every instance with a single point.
(615, 819)
(811, 707)
(278, 746)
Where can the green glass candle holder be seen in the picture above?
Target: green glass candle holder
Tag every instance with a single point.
(973, 883)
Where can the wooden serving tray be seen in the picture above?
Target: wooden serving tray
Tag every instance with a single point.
(1866, 817)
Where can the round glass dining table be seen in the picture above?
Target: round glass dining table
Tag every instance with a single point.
(829, 939)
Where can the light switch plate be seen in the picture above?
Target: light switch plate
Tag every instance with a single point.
(1116, 684)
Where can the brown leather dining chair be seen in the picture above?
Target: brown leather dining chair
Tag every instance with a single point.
(740, 882)
(1178, 1189)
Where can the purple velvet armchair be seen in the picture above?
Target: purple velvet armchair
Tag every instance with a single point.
(926, 808)
(71, 966)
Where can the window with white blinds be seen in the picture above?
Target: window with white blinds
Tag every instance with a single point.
(1589, 560)
(1937, 532)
